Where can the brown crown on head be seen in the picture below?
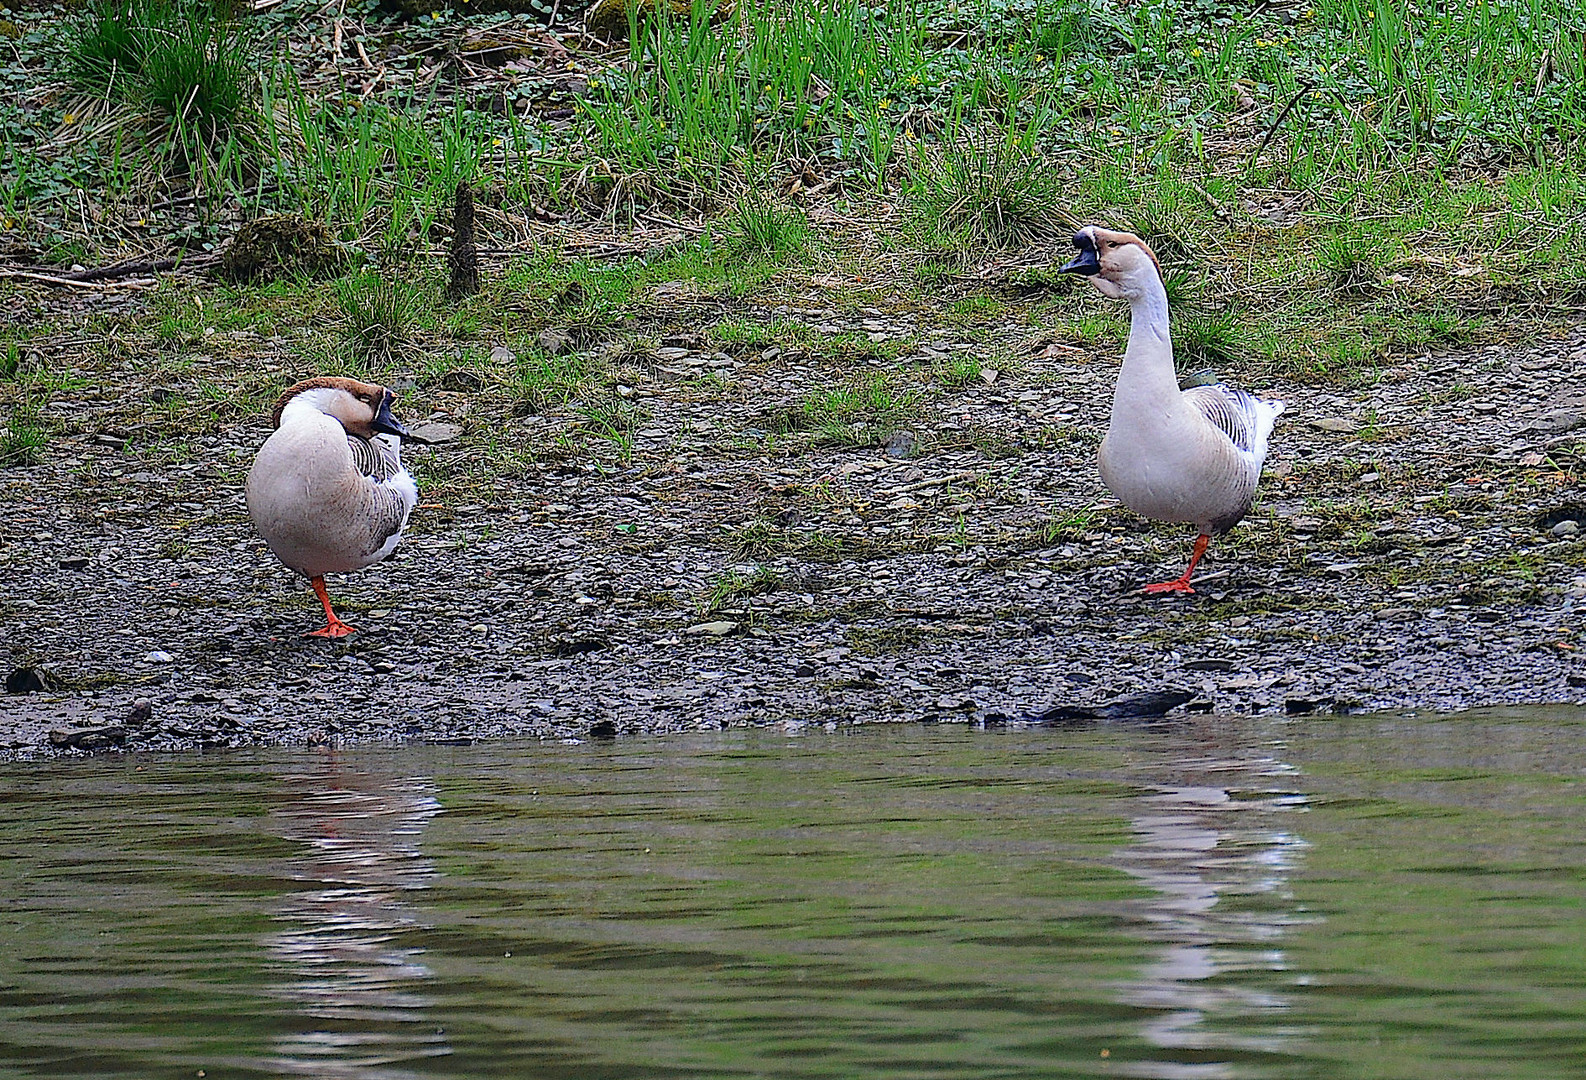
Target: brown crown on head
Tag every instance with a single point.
(323, 382)
(1130, 238)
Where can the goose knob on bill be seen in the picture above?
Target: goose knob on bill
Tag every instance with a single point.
(1190, 456)
(328, 491)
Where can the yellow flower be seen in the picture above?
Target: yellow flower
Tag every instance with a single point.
(861, 73)
(495, 142)
(69, 118)
(1039, 57)
(1197, 52)
(886, 103)
(914, 80)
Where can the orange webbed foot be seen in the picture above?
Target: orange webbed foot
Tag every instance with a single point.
(1178, 585)
(335, 629)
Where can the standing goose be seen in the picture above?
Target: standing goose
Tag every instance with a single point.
(1191, 456)
(328, 491)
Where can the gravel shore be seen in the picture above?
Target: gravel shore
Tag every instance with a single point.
(1418, 543)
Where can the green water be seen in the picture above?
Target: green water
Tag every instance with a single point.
(1366, 897)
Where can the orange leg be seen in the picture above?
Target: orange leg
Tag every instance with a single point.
(334, 627)
(1181, 583)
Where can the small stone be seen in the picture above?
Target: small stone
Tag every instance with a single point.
(555, 340)
(1484, 408)
(433, 432)
(75, 562)
(111, 439)
(502, 355)
(1211, 663)
(1340, 424)
(720, 628)
(989, 375)
(902, 444)
(1565, 529)
(160, 656)
(461, 380)
(27, 680)
(89, 738)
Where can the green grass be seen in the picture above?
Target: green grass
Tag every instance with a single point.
(861, 412)
(735, 585)
(24, 438)
(1327, 193)
(381, 313)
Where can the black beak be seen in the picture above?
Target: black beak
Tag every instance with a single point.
(384, 421)
(1086, 262)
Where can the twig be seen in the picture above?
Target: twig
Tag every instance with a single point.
(906, 489)
(52, 279)
(1272, 128)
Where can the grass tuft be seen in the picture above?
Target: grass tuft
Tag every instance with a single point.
(380, 314)
(987, 190)
(24, 439)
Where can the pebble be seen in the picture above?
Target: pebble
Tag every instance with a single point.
(719, 628)
(1565, 528)
(432, 432)
(160, 656)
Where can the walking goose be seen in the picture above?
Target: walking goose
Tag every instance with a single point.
(1190, 456)
(328, 491)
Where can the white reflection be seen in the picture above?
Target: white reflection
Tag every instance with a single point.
(1216, 847)
(342, 946)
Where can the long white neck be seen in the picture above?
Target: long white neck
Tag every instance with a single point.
(1148, 376)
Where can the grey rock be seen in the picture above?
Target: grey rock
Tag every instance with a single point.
(555, 340)
(433, 431)
(1337, 424)
(904, 445)
(719, 628)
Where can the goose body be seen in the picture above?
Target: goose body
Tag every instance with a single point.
(1191, 456)
(327, 491)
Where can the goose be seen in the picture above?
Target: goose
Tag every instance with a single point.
(328, 492)
(1191, 456)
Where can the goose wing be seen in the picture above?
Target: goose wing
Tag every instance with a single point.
(392, 492)
(375, 458)
(1246, 419)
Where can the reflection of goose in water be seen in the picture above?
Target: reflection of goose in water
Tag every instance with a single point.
(343, 960)
(1219, 854)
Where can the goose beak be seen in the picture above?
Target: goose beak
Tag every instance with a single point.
(384, 421)
(1086, 262)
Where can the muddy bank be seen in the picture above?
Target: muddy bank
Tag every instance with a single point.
(1413, 547)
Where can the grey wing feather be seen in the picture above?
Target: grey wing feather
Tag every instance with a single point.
(387, 514)
(1233, 411)
(375, 458)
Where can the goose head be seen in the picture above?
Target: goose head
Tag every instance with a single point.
(363, 409)
(1119, 264)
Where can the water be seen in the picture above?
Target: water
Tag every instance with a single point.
(1363, 897)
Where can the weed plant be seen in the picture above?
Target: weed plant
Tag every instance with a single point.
(380, 313)
(25, 437)
(985, 189)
